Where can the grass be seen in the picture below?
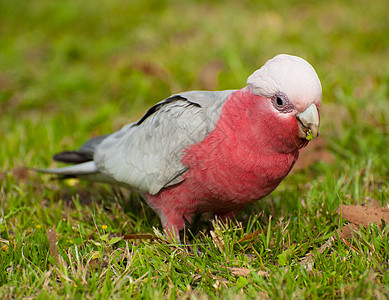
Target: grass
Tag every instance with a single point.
(72, 70)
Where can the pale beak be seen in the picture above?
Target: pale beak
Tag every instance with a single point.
(309, 122)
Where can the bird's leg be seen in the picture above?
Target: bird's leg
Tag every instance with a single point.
(172, 224)
(173, 215)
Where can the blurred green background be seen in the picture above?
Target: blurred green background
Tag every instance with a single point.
(71, 70)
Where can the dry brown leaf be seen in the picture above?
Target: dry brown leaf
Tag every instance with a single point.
(52, 237)
(357, 215)
(262, 273)
(346, 232)
(239, 271)
(361, 215)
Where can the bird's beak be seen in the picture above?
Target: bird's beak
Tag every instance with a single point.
(309, 122)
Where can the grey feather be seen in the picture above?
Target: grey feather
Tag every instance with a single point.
(79, 169)
(90, 146)
(87, 171)
(83, 154)
(146, 155)
(72, 157)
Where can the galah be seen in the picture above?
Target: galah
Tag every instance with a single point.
(209, 151)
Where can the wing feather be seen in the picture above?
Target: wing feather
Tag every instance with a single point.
(146, 155)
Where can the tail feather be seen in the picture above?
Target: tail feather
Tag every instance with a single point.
(72, 157)
(84, 167)
(84, 154)
(80, 169)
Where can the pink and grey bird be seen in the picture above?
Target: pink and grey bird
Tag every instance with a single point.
(203, 151)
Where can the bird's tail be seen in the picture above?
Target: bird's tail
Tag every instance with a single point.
(87, 171)
(85, 168)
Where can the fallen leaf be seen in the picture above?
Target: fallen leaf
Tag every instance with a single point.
(262, 273)
(239, 271)
(357, 215)
(346, 232)
(361, 215)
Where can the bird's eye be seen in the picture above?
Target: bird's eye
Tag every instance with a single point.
(279, 101)
(282, 103)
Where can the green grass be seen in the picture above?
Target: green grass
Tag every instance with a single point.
(70, 70)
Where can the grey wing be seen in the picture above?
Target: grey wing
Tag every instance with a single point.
(147, 155)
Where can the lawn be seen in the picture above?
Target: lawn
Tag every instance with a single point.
(71, 70)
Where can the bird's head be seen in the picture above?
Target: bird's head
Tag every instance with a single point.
(292, 86)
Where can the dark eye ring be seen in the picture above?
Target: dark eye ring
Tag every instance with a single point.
(282, 103)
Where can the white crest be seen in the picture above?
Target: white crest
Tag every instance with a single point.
(290, 75)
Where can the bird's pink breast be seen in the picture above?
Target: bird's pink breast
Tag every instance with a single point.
(236, 164)
(229, 175)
